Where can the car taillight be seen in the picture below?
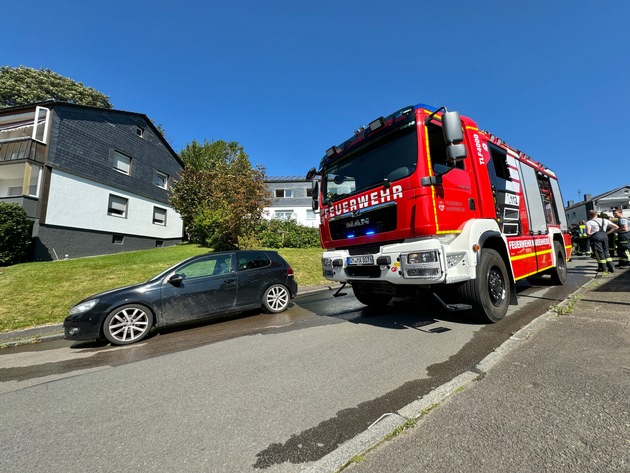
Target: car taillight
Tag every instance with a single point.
(289, 271)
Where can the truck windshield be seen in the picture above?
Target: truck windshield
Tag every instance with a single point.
(390, 158)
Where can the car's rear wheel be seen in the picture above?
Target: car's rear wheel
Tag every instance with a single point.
(127, 324)
(276, 299)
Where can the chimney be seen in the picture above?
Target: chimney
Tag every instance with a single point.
(587, 197)
(569, 203)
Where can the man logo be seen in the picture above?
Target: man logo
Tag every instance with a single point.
(358, 223)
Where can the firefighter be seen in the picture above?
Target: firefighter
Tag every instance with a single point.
(584, 247)
(575, 235)
(612, 237)
(623, 239)
(599, 229)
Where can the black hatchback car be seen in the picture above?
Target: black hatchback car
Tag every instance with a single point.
(199, 287)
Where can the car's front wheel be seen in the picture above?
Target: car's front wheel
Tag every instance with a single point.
(276, 299)
(127, 324)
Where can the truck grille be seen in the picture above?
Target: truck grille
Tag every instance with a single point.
(364, 222)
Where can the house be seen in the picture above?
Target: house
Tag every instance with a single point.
(291, 200)
(93, 181)
(606, 202)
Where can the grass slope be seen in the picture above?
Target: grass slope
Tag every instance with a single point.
(42, 293)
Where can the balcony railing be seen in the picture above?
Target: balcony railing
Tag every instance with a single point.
(22, 148)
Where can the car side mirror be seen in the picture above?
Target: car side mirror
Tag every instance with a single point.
(176, 279)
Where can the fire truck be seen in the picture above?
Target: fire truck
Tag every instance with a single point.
(423, 202)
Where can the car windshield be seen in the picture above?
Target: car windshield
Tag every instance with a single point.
(390, 158)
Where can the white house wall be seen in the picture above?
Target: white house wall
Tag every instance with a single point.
(75, 202)
(299, 215)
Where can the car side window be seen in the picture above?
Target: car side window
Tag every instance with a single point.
(206, 267)
(252, 260)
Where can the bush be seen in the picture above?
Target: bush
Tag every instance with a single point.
(280, 234)
(15, 234)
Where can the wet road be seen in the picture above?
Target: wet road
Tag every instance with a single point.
(260, 391)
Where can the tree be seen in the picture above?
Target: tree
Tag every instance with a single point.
(15, 234)
(219, 195)
(22, 85)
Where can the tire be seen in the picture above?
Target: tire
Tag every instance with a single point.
(276, 299)
(127, 324)
(373, 300)
(559, 273)
(489, 293)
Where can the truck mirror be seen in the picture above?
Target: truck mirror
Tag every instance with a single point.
(311, 174)
(315, 203)
(453, 135)
(456, 152)
(452, 127)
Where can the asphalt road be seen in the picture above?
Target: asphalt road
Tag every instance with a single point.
(258, 392)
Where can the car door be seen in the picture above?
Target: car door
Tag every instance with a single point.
(199, 288)
(255, 274)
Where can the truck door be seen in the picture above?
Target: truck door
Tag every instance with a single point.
(454, 199)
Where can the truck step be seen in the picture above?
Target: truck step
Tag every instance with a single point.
(451, 307)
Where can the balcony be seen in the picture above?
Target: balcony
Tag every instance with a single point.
(24, 134)
(22, 148)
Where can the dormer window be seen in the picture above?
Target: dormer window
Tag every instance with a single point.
(122, 163)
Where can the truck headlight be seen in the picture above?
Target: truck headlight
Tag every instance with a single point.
(421, 265)
(422, 257)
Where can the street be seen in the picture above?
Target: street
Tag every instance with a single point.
(271, 392)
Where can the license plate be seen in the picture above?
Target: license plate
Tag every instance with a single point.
(360, 260)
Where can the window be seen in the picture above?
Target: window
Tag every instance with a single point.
(437, 149)
(252, 260)
(140, 132)
(286, 193)
(122, 163)
(210, 266)
(159, 216)
(309, 192)
(283, 214)
(310, 215)
(118, 239)
(15, 191)
(159, 243)
(117, 206)
(161, 179)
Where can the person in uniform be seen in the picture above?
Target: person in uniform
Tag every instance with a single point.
(623, 239)
(599, 229)
(583, 241)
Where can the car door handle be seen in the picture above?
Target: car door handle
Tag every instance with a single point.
(228, 281)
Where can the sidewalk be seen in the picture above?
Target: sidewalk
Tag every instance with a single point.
(555, 398)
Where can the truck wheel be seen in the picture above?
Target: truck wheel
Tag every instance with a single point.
(489, 293)
(367, 298)
(559, 273)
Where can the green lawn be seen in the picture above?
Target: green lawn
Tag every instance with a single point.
(34, 294)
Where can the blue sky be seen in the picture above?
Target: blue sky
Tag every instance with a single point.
(288, 79)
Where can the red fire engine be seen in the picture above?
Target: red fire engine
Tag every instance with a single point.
(422, 201)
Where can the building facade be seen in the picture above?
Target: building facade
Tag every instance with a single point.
(606, 202)
(291, 199)
(93, 181)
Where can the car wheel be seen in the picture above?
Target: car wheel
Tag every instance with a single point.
(276, 299)
(127, 324)
(489, 293)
